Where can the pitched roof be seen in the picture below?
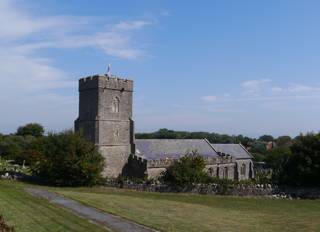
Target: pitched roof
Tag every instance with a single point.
(154, 149)
(235, 150)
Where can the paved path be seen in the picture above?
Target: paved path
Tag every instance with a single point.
(107, 220)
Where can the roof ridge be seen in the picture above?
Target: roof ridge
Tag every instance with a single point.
(245, 150)
(205, 139)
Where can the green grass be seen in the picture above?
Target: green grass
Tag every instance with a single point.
(187, 212)
(165, 212)
(30, 214)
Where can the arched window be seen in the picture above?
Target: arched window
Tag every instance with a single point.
(211, 171)
(225, 172)
(243, 169)
(115, 105)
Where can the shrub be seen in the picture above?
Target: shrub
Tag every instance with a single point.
(188, 170)
(262, 177)
(12, 147)
(223, 185)
(9, 166)
(33, 129)
(67, 159)
(4, 227)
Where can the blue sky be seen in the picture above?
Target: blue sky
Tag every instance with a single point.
(236, 67)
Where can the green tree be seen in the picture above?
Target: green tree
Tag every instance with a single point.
(303, 166)
(277, 159)
(187, 170)
(165, 134)
(33, 129)
(266, 138)
(257, 149)
(67, 159)
(12, 147)
(284, 141)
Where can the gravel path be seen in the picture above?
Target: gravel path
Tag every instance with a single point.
(107, 220)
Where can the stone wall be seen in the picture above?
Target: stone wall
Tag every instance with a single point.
(244, 169)
(105, 111)
(222, 167)
(232, 190)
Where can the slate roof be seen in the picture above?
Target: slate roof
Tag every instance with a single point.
(235, 150)
(155, 149)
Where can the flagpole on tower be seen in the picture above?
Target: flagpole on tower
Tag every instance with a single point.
(109, 70)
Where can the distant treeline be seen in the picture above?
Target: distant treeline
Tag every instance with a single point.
(69, 157)
(259, 147)
(214, 137)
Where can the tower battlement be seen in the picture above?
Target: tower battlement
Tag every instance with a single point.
(105, 82)
(105, 111)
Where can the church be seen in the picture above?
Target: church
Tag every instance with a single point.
(105, 118)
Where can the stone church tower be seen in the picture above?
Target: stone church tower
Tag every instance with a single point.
(105, 111)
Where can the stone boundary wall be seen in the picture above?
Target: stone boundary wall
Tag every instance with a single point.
(265, 190)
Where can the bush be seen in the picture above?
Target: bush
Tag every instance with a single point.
(12, 147)
(223, 185)
(9, 166)
(67, 159)
(188, 170)
(33, 129)
(4, 227)
(262, 177)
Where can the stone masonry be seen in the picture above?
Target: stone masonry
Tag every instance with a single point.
(105, 118)
(105, 111)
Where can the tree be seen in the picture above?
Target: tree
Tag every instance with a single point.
(276, 159)
(165, 134)
(187, 170)
(284, 141)
(266, 138)
(258, 147)
(12, 147)
(303, 166)
(33, 129)
(67, 159)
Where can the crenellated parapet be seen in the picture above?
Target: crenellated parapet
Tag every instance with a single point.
(105, 82)
(138, 159)
(225, 158)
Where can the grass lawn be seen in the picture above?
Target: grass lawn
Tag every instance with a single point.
(30, 214)
(187, 212)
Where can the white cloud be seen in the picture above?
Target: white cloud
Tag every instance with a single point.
(31, 86)
(67, 32)
(209, 98)
(131, 25)
(254, 87)
(260, 90)
(276, 89)
(297, 89)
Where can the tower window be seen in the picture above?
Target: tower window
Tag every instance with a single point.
(115, 105)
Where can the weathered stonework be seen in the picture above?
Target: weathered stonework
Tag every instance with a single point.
(221, 167)
(105, 111)
(105, 118)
